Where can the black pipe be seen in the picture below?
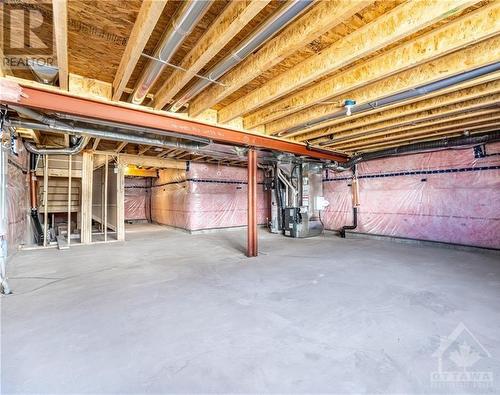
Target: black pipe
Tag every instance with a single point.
(354, 212)
(354, 223)
(38, 231)
(424, 146)
(279, 198)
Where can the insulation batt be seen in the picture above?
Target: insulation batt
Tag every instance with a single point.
(453, 198)
(17, 199)
(207, 196)
(137, 194)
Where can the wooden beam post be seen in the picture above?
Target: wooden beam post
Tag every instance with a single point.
(86, 211)
(252, 239)
(60, 18)
(105, 201)
(45, 199)
(120, 202)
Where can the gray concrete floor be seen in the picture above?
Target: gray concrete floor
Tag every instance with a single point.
(172, 312)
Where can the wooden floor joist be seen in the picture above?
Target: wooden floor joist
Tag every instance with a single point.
(121, 146)
(473, 57)
(234, 18)
(144, 25)
(483, 103)
(465, 31)
(382, 32)
(488, 120)
(466, 117)
(323, 16)
(444, 102)
(60, 20)
(458, 132)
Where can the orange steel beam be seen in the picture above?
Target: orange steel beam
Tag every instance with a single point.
(60, 102)
(252, 240)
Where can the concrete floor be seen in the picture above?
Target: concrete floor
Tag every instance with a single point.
(172, 312)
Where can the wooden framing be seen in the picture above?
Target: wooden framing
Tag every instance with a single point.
(235, 17)
(45, 199)
(143, 149)
(405, 134)
(86, 212)
(382, 32)
(445, 100)
(105, 200)
(149, 14)
(151, 161)
(457, 35)
(60, 20)
(133, 171)
(459, 109)
(446, 134)
(475, 116)
(252, 237)
(455, 63)
(293, 87)
(120, 202)
(97, 140)
(456, 132)
(322, 17)
(121, 146)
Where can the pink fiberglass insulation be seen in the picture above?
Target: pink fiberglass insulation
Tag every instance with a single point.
(137, 193)
(448, 196)
(207, 196)
(17, 199)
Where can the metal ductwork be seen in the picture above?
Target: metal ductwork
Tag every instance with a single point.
(109, 131)
(182, 25)
(76, 148)
(400, 97)
(417, 147)
(43, 73)
(273, 25)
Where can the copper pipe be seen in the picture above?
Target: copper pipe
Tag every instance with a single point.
(252, 240)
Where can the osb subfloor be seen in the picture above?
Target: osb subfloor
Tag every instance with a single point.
(172, 312)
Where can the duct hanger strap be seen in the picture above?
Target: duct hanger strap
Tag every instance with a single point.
(209, 79)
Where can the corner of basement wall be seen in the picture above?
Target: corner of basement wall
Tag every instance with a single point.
(445, 196)
(17, 196)
(207, 196)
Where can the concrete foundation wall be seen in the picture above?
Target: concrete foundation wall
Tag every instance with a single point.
(448, 196)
